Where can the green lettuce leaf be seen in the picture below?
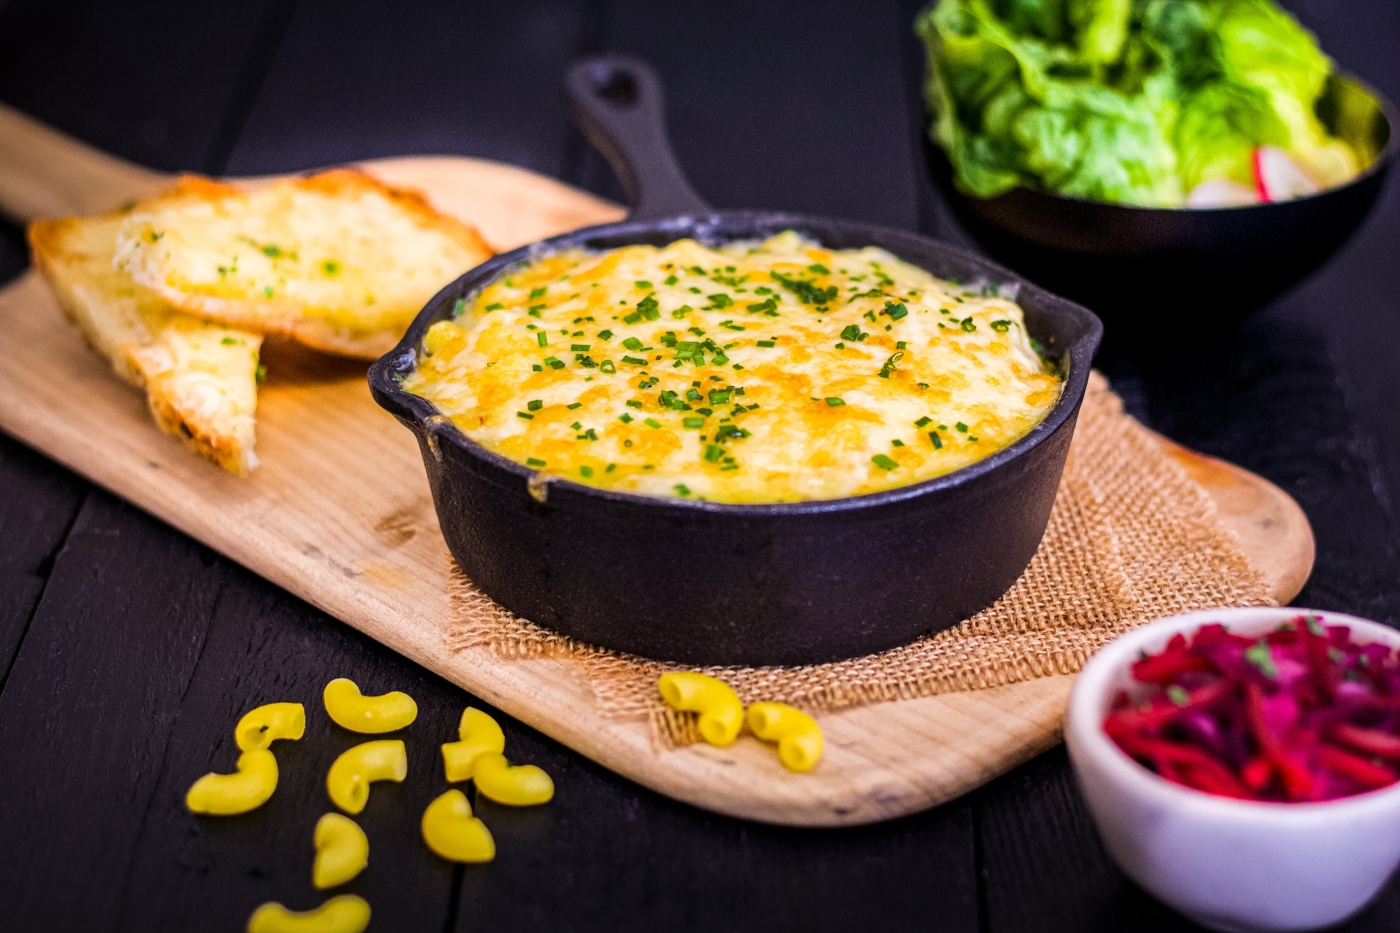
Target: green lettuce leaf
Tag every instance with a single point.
(1132, 101)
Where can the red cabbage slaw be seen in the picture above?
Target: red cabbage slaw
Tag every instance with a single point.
(1302, 713)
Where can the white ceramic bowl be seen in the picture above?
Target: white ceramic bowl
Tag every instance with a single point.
(1231, 865)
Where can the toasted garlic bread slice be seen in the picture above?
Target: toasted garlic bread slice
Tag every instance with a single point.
(337, 261)
(200, 377)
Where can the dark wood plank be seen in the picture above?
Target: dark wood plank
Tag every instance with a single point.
(152, 82)
(86, 713)
(786, 105)
(606, 854)
(36, 510)
(263, 646)
(362, 79)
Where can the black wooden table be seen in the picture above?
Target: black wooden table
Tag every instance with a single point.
(124, 644)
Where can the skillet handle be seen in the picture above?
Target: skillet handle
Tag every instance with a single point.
(618, 104)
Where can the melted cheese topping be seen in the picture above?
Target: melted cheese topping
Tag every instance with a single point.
(754, 372)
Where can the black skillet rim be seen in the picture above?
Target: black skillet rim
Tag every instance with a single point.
(1075, 359)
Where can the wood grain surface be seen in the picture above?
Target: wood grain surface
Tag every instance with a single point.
(340, 515)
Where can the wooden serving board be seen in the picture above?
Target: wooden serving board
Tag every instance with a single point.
(339, 513)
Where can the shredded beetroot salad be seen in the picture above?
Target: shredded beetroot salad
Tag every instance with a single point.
(1302, 713)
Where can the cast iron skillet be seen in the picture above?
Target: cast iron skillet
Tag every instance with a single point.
(707, 583)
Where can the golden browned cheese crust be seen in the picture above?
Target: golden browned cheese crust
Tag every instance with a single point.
(338, 261)
(753, 372)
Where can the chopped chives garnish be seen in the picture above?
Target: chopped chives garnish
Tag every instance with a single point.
(543, 340)
(605, 335)
(634, 361)
(961, 427)
(671, 280)
(883, 462)
(585, 471)
(693, 422)
(767, 343)
(632, 343)
(626, 418)
(634, 403)
(833, 402)
(578, 347)
(713, 452)
(682, 489)
(526, 415)
(534, 463)
(537, 293)
(534, 404)
(922, 421)
(573, 405)
(896, 443)
(642, 284)
(611, 467)
(937, 441)
(494, 306)
(652, 423)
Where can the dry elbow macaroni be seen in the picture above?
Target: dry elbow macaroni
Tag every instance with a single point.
(344, 914)
(260, 727)
(452, 832)
(356, 768)
(342, 851)
(477, 733)
(798, 736)
(721, 711)
(515, 785)
(348, 707)
(245, 789)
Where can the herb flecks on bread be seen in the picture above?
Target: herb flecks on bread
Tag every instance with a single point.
(338, 261)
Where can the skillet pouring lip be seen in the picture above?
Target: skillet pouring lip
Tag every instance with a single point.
(422, 416)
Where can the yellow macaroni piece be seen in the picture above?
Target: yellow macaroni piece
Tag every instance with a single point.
(452, 832)
(342, 851)
(260, 727)
(478, 733)
(350, 708)
(799, 738)
(245, 789)
(356, 768)
(344, 914)
(721, 712)
(518, 785)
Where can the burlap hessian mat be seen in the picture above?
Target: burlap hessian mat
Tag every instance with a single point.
(1131, 538)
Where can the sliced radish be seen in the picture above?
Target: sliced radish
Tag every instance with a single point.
(1221, 192)
(1278, 178)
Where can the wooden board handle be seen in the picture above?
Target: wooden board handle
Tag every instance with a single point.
(45, 173)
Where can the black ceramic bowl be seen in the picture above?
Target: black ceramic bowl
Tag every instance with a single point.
(711, 583)
(1131, 263)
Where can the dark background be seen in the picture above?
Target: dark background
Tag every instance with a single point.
(127, 650)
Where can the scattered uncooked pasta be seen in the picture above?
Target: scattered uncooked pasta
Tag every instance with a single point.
(721, 711)
(342, 851)
(245, 789)
(452, 832)
(350, 708)
(352, 773)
